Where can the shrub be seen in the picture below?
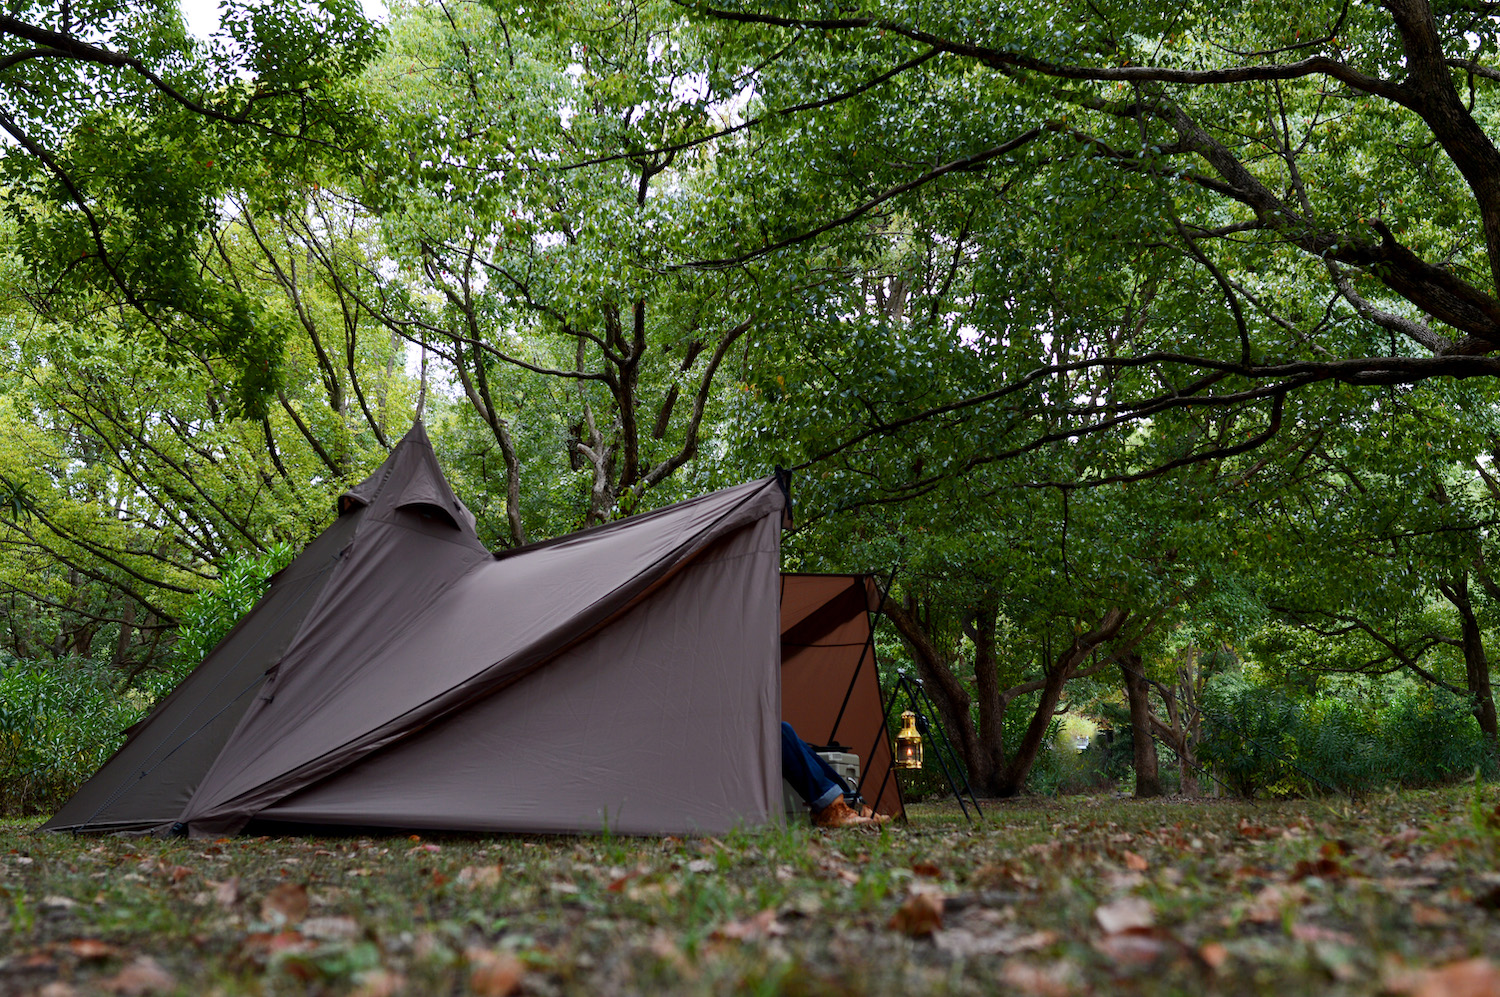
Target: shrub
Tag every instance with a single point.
(58, 723)
(1433, 737)
(1247, 734)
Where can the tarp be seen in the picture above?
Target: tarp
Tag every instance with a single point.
(830, 691)
(399, 674)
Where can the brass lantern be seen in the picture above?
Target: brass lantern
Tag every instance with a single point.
(908, 743)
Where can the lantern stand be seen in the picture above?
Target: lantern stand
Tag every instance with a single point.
(916, 698)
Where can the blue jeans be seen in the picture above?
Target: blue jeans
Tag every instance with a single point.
(812, 777)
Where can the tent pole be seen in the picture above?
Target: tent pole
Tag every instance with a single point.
(869, 650)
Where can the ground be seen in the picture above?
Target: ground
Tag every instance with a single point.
(1389, 894)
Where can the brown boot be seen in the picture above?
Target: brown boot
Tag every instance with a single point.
(840, 814)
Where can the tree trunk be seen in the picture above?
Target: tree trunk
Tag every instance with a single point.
(1013, 779)
(1476, 660)
(1138, 695)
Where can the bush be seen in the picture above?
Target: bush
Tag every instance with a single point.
(1247, 734)
(58, 723)
(1433, 737)
(1260, 742)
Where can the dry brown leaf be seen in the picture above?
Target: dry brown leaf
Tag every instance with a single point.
(930, 869)
(1428, 917)
(1054, 981)
(57, 988)
(479, 876)
(1136, 946)
(1125, 914)
(1470, 978)
(227, 893)
(1214, 955)
(1135, 863)
(379, 983)
(177, 873)
(493, 974)
(919, 916)
(1323, 868)
(286, 904)
(261, 946)
(143, 976)
(331, 929)
(967, 942)
(1269, 903)
(756, 926)
(92, 949)
(1318, 933)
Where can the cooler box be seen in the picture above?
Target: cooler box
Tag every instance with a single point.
(845, 763)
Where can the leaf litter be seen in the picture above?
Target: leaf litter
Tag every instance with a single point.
(1388, 895)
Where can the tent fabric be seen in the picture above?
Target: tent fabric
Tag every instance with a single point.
(830, 690)
(396, 639)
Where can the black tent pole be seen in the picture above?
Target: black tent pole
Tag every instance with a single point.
(937, 717)
(923, 728)
(869, 650)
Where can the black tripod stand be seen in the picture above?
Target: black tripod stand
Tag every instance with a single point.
(921, 705)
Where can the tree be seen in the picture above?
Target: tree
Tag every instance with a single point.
(1286, 200)
(125, 135)
(532, 228)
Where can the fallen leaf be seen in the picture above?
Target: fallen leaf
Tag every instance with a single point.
(92, 949)
(1323, 868)
(1054, 981)
(493, 974)
(1470, 978)
(331, 929)
(1268, 904)
(701, 865)
(143, 976)
(1135, 863)
(1318, 933)
(57, 988)
(919, 916)
(227, 893)
(479, 876)
(177, 873)
(967, 942)
(59, 903)
(259, 947)
(1134, 946)
(1125, 914)
(1214, 955)
(286, 904)
(757, 926)
(379, 983)
(929, 869)
(1428, 917)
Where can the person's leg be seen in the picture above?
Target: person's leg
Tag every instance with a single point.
(811, 776)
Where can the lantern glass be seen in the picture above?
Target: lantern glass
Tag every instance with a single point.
(908, 743)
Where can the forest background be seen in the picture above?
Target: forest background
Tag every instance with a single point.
(1147, 349)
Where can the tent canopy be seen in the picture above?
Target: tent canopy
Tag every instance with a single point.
(399, 674)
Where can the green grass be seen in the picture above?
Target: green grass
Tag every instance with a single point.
(1246, 898)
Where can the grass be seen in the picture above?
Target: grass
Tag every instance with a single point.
(1079, 896)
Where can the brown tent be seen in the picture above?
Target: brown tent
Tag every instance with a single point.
(830, 691)
(398, 674)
